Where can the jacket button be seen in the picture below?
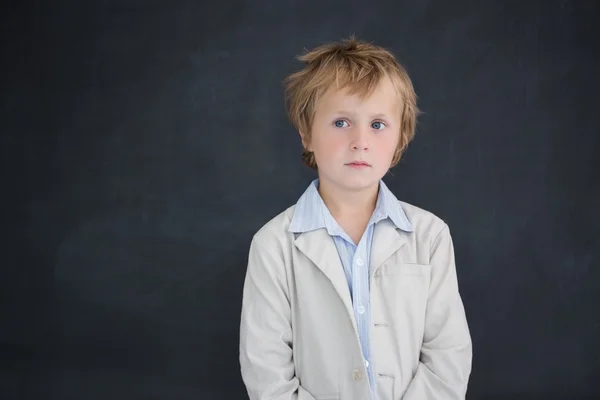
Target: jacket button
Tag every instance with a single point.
(356, 375)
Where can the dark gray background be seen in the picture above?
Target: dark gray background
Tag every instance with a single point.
(144, 142)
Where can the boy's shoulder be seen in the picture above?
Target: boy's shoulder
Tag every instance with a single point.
(420, 217)
(277, 228)
(426, 225)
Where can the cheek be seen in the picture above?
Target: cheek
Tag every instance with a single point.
(328, 144)
(386, 148)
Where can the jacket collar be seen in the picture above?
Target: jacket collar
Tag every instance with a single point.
(311, 213)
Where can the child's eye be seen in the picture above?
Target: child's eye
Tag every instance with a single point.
(378, 125)
(340, 123)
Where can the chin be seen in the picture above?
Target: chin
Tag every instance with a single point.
(352, 181)
(363, 183)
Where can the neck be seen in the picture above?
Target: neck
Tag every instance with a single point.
(343, 203)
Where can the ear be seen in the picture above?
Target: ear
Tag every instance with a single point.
(305, 141)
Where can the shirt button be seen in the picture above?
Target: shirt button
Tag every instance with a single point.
(359, 262)
(356, 375)
(366, 364)
(361, 309)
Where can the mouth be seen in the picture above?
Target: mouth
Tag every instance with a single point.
(358, 164)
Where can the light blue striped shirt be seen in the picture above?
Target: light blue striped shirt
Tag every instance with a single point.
(311, 214)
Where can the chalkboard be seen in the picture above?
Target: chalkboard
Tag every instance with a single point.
(143, 143)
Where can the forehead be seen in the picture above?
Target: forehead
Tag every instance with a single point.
(383, 98)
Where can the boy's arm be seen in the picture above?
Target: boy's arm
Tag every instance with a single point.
(266, 361)
(446, 352)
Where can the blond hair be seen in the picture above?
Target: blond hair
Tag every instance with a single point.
(352, 64)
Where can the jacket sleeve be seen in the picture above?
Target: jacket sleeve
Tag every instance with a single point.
(446, 352)
(266, 361)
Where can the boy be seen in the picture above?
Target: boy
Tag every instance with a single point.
(352, 294)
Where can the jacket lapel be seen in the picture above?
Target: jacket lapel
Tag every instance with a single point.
(320, 249)
(386, 241)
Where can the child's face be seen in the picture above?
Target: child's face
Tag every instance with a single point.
(348, 131)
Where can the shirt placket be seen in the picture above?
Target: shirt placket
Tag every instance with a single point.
(360, 285)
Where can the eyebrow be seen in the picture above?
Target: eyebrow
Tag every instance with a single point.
(375, 116)
(380, 116)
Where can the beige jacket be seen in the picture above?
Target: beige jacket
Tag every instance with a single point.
(298, 337)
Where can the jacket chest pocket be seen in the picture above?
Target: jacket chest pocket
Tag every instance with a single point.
(385, 387)
(403, 291)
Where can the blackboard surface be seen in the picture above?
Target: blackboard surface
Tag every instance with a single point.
(142, 144)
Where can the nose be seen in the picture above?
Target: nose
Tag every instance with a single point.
(360, 140)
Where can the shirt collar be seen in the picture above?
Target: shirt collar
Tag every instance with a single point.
(311, 213)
